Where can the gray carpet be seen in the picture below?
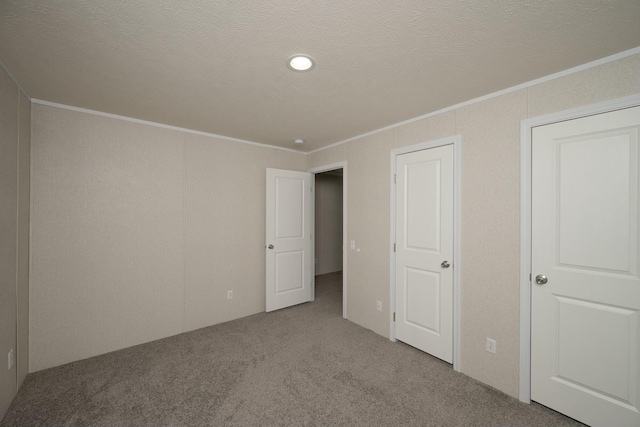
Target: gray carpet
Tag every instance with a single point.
(304, 365)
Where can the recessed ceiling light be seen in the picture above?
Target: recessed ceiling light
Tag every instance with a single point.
(298, 141)
(301, 63)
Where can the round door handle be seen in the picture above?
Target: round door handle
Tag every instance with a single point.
(445, 264)
(270, 246)
(540, 279)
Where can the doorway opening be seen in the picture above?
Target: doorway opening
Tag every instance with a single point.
(329, 236)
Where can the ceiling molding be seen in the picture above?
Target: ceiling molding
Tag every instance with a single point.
(544, 79)
(159, 125)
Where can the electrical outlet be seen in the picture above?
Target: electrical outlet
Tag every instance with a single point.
(10, 359)
(491, 345)
(353, 244)
(379, 305)
(229, 294)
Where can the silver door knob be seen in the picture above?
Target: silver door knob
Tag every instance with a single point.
(270, 246)
(445, 264)
(541, 280)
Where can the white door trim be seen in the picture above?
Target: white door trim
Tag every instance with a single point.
(320, 169)
(456, 141)
(526, 127)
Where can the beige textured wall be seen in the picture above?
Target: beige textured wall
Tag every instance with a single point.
(609, 81)
(225, 230)
(14, 229)
(327, 157)
(108, 235)
(139, 231)
(491, 237)
(24, 209)
(290, 161)
(328, 224)
(368, 171)
(490, 132)
(427, 129)
(9, 96)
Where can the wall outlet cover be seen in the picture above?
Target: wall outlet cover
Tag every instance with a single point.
(491, 345)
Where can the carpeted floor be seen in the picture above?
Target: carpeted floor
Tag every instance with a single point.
(304, 365)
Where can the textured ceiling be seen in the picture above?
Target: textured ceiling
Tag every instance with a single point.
(220, 66)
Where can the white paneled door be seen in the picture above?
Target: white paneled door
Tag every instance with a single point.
(288, 238)
(585, 323)
(424, 250)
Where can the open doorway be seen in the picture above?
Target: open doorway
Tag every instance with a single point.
(328, 222)
(329, 235)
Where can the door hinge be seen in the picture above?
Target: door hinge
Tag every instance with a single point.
(394, 316)
(529, 276)
(395, 178)
(394, 247)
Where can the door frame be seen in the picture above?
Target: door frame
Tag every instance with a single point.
(313, 171)
(526, 129)
(456, 141)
